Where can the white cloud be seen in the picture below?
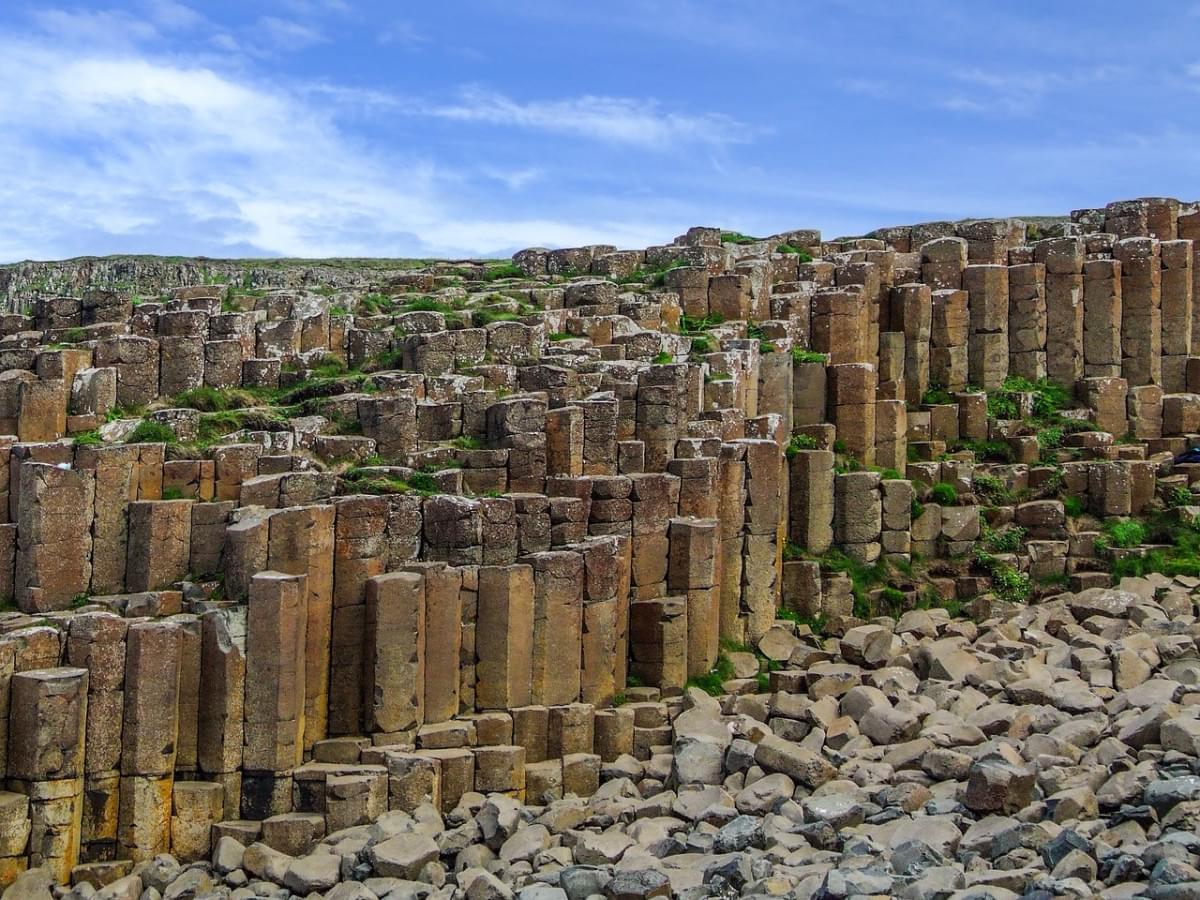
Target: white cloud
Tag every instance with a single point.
(616, 119)
(106, 148)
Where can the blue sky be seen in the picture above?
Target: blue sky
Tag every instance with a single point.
(475, 127)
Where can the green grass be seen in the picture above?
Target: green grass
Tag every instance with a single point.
(663, 359)
(88, 439)
(817, 624)
(466, 442)
(504, 270)
(1007, 583)
(1072, 505)
(801, 355)
(992, 490)
(936, 396)
(148, 432)
(556, 336)
(211, 399)
(1048, 398)
(1006, 540)
(800, 442)
(375, 305)
(943, 494)
(172, 493)
(701, 344)
(697, 325)
(712, 683)
(656, 276)
(792, 551)
(736, 237)
(805, 256)
(1179, 495)
(1125, 533)
(481, 318)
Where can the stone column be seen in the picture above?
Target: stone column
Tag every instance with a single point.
(658, 642)
(841, 324)
(558, 577)
(659, 422)
(810, 501)
(857, 519)
(655, 499)
(359, 528)
(96, 642)
(891, 434)
(948, 357)
(1176, 313)
(602, 624)
(942, 263)
(761, 554)
(987, 300)
(1189, 229)
(504, 637)
(273, 742)
(221, 716)
(564, 441)
(852, 407)
(301, 543)
(149, 738)
(47, 727)
(731, 487)
(160, 544)
(691, 574)
(1063, 258)
(912, 314)
(54, 539)
(1141, 310)
(443, 640)
(1102, 317)
(1027, 321)
(394, 657)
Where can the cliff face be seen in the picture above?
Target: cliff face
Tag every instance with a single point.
(148, 276)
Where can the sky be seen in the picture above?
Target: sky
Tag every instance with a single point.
(323, 128)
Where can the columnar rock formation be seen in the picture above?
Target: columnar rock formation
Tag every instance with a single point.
(290, 553)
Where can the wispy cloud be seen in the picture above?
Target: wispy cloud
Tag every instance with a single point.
(1021, 93)
(286, 34)
(403, 34)
(620, 120)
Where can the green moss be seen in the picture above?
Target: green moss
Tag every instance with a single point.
(148, 432)
(663, 359)
(1072, 506)
(556, 336)
(172, 493)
